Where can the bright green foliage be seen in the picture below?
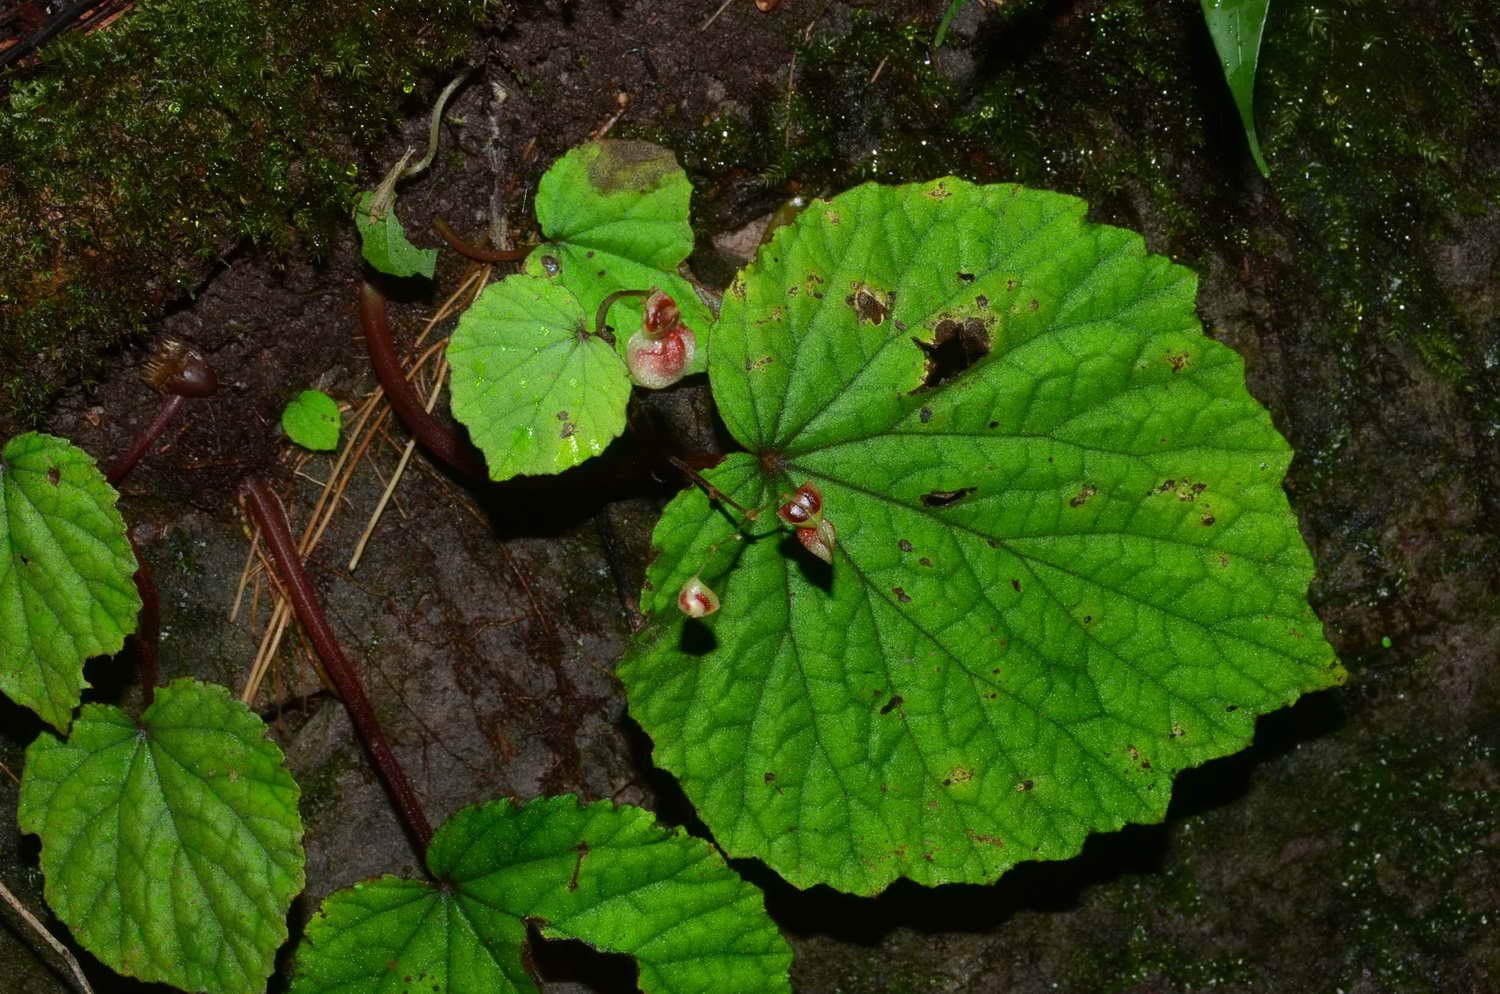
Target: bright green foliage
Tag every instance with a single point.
(66, 569)
(383, 242)
(538, 392)
(615, 214)
(1063, 573)
(312, 420)
(1236, 27)
(172, 844)
(609, 876)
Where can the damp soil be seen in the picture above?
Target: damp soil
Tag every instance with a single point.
(1352, 847)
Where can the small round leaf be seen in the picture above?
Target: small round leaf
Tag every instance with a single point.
(313, 421)
(537, 391)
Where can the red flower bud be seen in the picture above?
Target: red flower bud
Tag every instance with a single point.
(696, 599)
(660, 362)
(819, 540)
(804, 510)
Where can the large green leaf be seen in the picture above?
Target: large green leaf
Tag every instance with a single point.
(66, 574)
(171, 845)
(538, 391)
(615, 214)
(1062, 574)
(603, 874)
(1236, 27)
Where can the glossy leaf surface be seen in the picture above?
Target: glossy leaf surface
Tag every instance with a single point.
(171, 845)
(615, 214)
(66, 569)
(537, 391)
(603, 874)
(1065, 568)
(1236, 27)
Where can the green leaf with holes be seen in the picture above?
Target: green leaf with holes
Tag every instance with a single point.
(604, 874)
(312, 420)
(171, 843)
(1236, 27)
(1065, 568)
(383, 241)
(537, 389)
(615, 215)
(66, 574)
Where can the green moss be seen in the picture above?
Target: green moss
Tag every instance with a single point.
(139, 153)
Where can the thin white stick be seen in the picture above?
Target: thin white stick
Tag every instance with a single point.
(51, 940)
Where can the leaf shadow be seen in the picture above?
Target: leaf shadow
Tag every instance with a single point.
(1054, 886)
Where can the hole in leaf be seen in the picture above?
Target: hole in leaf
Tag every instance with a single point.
(946, 498)
(572, 960)
(955, 346)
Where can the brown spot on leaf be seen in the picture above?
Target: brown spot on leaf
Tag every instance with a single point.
(568, 430)
(562, 415)
(770, 777)
(1084, 493)
(1179, 361)
(1025, 785)
(870, 306)
(966, 277)
(955, 346)
(630, 165)
(901, 595)
(904, 545)
(1016, 585)
(892, 704)
(54, 475)
(925, 414)
(946, 498)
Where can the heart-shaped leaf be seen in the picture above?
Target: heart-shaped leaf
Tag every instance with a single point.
(171, 845)
(1064, 567)
(66, 573)
(615, 214)
(603, 874)
(538, 392)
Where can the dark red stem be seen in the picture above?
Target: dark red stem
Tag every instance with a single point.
(164, 415)
(148, 632)
(476, 252)
(266, 510)
(435, 436)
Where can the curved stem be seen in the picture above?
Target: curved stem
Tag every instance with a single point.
(436, 437)
(433, 124)
(606, 304)
(266, 510)
(476, 252)
(164, 415)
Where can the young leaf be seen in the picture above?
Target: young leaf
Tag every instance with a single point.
(1065, 568)
(1236, 27)
(66, 574)
(538, 392)
(615, 214)
(172, 844)
(383, 242)
(312, 420)
(609, 876)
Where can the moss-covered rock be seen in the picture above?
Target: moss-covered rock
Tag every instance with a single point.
(138, 155)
